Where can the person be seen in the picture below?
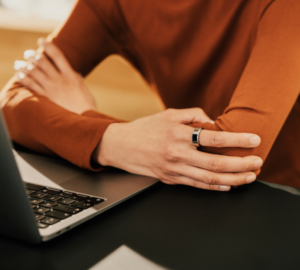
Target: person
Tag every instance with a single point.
(236, 62)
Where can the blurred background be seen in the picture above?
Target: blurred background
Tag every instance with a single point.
(118, 88)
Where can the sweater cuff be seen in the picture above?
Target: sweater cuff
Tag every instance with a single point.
(87, 162)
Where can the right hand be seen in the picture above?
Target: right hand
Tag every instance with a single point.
(160, 146)
(55, 78)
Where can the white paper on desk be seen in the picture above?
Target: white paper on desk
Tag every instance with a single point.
(125, 258)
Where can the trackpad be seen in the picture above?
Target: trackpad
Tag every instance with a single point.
(45, 171)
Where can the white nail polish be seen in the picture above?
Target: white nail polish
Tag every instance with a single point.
(28, 54)
(224, 187)
(19, 64)
(212, 121)
(30, 67)
(21, 76)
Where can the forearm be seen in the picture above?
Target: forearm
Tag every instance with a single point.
(269, 85)
(39, 124)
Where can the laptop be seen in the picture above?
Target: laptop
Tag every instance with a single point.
(42, 198)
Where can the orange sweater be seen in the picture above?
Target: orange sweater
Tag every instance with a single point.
(239, 60)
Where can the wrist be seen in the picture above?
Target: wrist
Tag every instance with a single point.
(102, 153)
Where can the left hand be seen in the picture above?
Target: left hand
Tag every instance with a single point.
(56, 80)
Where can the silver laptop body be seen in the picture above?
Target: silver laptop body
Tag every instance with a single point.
(17, 217)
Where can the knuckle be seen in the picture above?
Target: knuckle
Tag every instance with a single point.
(172, 154)
(200, 111)
(247, 166)
(165, 178)
(237, 179)
(217, 140)
(197, 184)
(165, 169)
(210, 179)
(166, 181)
(241, 141)
(216, 164)
(211, 187)
(236, 182)
(169, 112)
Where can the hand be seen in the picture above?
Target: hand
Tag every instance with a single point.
(160, 146)
(49, 74)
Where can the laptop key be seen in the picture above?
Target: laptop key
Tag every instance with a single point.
(67, 208)
(48, 204)
(29, 191)
(39, 217)
(52, 198)
(94, 200)
(58, 214)
(49, 220)
(80, 197)
(81, 205)
(38, 195)
(66, 194)
(52, 191)
(41, 225)
(66, 201)
(33, 187)
(36, 201)
(41, 210)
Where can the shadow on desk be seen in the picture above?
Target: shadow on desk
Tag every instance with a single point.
(179, 227)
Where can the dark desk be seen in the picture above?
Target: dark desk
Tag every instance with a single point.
(252, 227)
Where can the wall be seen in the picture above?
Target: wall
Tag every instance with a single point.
(119, 89)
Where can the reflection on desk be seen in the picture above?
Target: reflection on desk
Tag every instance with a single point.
(179, 227)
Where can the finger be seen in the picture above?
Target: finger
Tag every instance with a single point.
(19, 64)
(35, 73)
(217, 138)
(221, 163)
(228, 139)
(222, 179)
(183, 180)
(29, 54)
(45, 65)
(29, 83)
(187, 116)
(56, 55)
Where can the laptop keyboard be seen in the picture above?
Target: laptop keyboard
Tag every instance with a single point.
(53, 205)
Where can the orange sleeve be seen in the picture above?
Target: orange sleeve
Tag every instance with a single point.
(37, 123)
(270, 83)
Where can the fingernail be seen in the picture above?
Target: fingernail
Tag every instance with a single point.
(37, 57)
(19, 64)
(212, 122)
(21, 76)
(224, 188)
(28, 54)
(250, 178)
(30, 67)
(257, 164)
(254, 140)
